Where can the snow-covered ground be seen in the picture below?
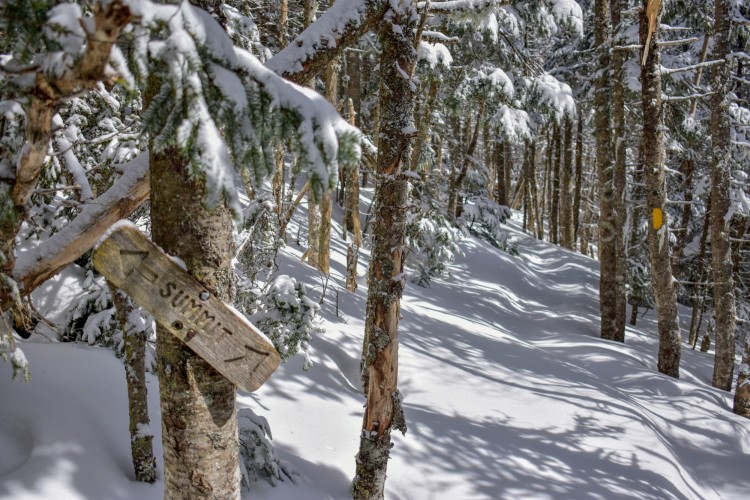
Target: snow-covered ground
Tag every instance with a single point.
(509, 393)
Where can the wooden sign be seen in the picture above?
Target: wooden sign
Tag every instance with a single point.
(214, 330)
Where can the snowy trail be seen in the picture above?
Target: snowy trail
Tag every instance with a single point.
(509, 394)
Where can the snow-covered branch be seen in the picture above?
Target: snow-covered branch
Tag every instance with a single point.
(35, 266)
(456, 5)
(672, 43)
(667, 98)
(671, 71)
(340, 26)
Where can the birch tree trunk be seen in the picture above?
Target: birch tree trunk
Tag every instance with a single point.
(383, 411)
(658, 233)
(534, 192)
(721, 174)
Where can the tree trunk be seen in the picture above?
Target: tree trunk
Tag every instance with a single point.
(313, 230)
(199, 428)
(721, 261)
(534, 192)
(637, 195)
(326, 200)
(742, 394)
(687, 172)
(458, 178)
(309, 8)
(699, 278)
(579, 177)
(547, 183)
(604, 165)
(618, 175)
(423, 129)
(658, 234)
(489, 163)
(567, 237)
(555, 191)
(353, 91)
(501, 189)
(324, 231)
(383, 411)
(352, 217)
(141, 448)
(507, 168)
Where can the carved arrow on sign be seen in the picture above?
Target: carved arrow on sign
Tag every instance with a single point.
(214, 330)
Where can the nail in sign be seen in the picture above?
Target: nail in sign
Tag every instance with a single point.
(214, 330)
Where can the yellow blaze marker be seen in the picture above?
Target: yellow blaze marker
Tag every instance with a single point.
(658, 218)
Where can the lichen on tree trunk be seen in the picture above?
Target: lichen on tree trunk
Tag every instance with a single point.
(656, 197)
(386, 279)
(199, 426)
(605, 169)
(141, 447)
(721, 261)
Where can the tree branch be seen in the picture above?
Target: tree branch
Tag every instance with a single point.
(35, 266)
(309, 53)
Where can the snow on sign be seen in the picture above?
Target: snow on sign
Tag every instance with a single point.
(214, 330)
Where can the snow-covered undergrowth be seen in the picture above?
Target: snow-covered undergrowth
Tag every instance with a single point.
(509, 393)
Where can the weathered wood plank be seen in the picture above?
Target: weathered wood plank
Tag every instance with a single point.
(214, 330)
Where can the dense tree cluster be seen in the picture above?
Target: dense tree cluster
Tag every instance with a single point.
(619, 128)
